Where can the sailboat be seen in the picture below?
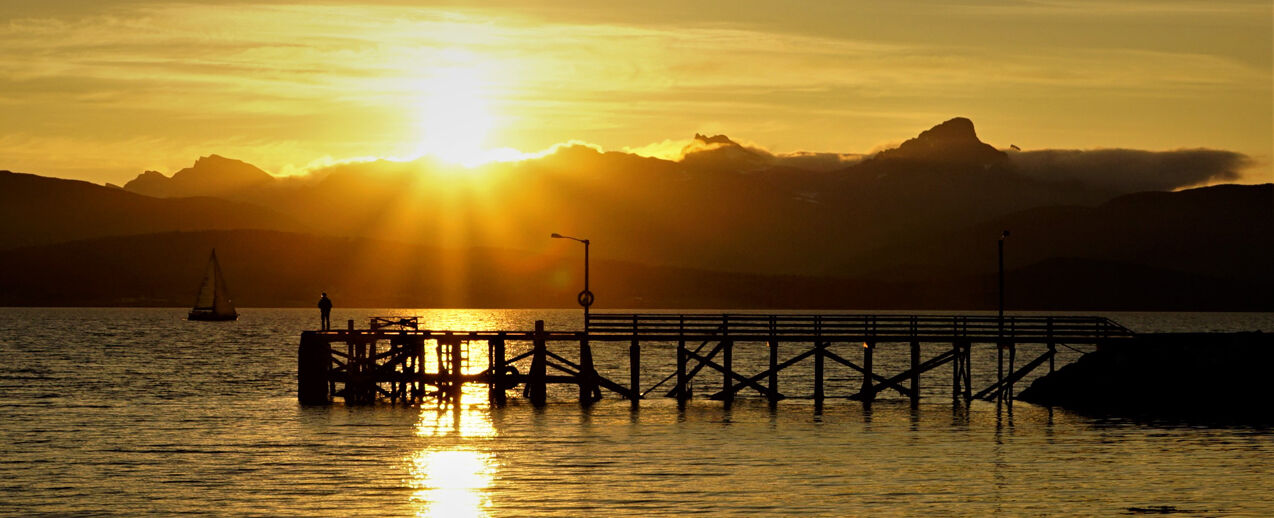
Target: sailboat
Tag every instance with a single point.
(213, 301)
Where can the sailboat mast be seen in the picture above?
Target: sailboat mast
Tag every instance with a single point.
(216, 277)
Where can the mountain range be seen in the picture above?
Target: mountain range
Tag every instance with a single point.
(724, 225)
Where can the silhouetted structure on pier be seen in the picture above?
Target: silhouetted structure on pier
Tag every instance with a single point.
(396, 361)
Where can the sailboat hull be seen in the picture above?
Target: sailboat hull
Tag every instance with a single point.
(210, 316)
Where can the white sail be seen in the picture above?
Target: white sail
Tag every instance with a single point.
(213, 300)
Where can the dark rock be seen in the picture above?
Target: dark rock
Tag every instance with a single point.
(1198, 377)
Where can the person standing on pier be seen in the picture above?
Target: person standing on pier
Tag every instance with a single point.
(325, 312)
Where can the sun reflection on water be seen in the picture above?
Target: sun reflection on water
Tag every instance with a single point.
(447, 478)
(451, 482)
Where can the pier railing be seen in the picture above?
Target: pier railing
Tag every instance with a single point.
(864, 327)
(391, 359)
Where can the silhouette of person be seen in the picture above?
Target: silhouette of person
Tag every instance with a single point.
(325, 312)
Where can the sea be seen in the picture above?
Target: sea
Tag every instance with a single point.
(139, 412)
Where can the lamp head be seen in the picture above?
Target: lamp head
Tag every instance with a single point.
(1004, 235)
(556, 236)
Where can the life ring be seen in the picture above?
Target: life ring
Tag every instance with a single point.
(585, 298)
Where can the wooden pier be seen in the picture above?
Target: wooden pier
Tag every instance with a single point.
(393, 360)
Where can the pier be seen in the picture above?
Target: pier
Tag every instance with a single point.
(395, 361)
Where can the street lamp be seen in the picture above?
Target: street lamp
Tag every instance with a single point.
(1003, 235)
(585, 298)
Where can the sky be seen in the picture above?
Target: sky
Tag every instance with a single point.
(101, 90)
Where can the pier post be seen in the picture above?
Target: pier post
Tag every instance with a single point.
(774, 371)
(1052, 347)
(356, 385)
(418, 384)
(868, 390)
(915, 371)
(536, 384)
(497, 367)
(967, 371)
(683, 391)
(818, 371)
(313, 360)
(955, 371)
(999, 370)
(457, 368)
(727, 361)
(1012, 369)
(588, 391)
(634, 371)
(371, 369)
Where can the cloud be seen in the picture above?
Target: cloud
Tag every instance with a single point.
(667, 149)
(1130, 170)
(817, 161)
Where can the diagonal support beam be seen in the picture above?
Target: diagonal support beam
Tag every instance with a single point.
(601, 382)
(930, 364)
(524, 355)
(766, 373)
(673, 375)
(695, 355)
(732, 374)
(884, 383)
(994, 390)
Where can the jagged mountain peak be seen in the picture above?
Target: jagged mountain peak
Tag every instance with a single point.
(715, 139)
(953, 141)
(212, 175)
(956, 129)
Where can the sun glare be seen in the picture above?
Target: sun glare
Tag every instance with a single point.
(454, 114)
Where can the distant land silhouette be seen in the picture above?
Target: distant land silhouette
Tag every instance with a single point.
(725, 225)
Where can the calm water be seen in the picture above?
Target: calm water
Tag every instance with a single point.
(137, 411)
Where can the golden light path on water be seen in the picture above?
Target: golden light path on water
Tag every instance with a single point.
(449, 477)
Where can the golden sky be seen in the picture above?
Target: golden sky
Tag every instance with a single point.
(101, 90)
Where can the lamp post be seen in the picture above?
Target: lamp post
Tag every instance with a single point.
(585, 298)
(1003, 235)
(588, 391)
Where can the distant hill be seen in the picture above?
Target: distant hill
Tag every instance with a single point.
(722, 206)
(267, 268)
(38, 210)
(213, 175)
(1224, 231)
(724, 224)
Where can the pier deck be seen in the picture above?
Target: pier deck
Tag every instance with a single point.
(393, 360)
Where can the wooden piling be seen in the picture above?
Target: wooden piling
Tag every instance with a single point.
(774, 371)
(357, 386)
(1012, 369)
(536, 390)
(999, 368)
(588, 392)
(456, 382)
(915, 371)
(818, 371)
(868, 389)
(418, 385)
(683, 391)
(967, 371)
(497, 366)
(634, 371)
(727, 361)
(313, 358)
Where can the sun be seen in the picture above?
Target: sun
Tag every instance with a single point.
(454, 114)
